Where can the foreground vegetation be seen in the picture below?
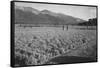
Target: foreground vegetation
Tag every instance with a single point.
(38, 47)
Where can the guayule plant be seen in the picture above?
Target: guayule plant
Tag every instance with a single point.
(37, 49)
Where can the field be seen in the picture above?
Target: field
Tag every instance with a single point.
(39, 45)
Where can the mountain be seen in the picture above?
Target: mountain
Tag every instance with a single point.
(49, 12)
(66, 18)
(69, 19)
(28, 15)
(27, 9)
(90, 22)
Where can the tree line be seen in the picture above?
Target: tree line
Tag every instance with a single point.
(90, 22)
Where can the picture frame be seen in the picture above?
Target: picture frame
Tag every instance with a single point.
(44, 33)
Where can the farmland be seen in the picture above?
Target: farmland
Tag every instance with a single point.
(38, 45)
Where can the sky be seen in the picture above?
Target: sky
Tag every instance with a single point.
(82, 12)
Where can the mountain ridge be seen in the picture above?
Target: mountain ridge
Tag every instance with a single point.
(29, 15)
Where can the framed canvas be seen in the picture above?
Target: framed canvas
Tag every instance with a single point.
(52, 33)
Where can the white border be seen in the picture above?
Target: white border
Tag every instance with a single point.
(5, 33)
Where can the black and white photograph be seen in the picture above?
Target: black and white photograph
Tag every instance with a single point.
(53, 33)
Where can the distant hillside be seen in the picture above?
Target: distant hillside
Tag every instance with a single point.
(90, 22)
(28, 15)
